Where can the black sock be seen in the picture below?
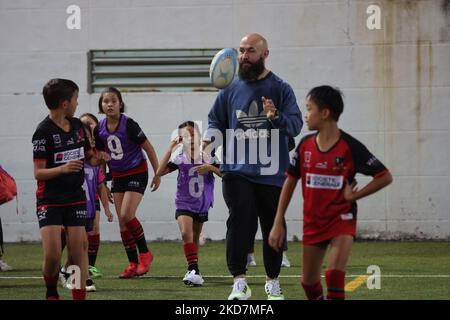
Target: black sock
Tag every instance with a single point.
(51, 291)
(132, 255)
(194, 266)
(92, 258)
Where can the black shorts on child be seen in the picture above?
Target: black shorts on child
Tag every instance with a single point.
(136, 183)
(196, 216)
(67, 216)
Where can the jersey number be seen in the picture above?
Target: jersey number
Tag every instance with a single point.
(196, 184)
(115, 147)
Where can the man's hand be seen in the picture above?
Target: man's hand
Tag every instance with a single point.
(269, 108)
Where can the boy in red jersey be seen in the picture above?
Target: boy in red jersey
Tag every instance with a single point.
(327, 162)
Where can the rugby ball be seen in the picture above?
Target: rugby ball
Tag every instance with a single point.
(223, 68)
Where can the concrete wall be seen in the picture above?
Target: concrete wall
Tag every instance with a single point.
(396, 82)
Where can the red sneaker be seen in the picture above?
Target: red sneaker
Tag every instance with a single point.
(145, 259)
(53, 298)
(129, 272)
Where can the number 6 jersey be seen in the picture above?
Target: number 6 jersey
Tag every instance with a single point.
(195, 192)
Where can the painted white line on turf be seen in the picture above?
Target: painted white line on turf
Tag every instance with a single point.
(254, 276)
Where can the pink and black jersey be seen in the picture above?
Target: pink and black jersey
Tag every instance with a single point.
(93, 177)
(57, 147)
(323, 174)
(195, 192)
(123, 145)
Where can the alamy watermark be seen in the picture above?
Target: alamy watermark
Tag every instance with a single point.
(374, 280)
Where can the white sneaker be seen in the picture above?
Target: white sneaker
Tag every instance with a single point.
(90, 286)
(251, 260)
(4, 266)
(285, 262)
(192, 278)
(241, 291)
(273, 290)
(63, 277)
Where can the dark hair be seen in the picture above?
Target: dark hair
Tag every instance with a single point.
(87, 130)
(90, 115)
(189, 124)
(118, 94)
(327, 97)
(57, 91)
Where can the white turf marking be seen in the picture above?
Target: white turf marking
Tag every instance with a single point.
(257, 276)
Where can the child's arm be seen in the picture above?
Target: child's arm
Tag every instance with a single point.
(43, 173)
(204, 168)
(105, 201)
(97, 158)
(162, 168)
(148, 148)
(351, 194)
(277, 234)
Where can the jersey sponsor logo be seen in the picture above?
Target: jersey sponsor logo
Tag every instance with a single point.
(307, 159)
(70, 141)
(56, 138)
(81, 214)
(69, 155)
(347, 216)
(134, 184)
(321, 181)
(338, 163)
(253, 119)
(39, 145)
(322, 165)
(372, 161)
(42, 213)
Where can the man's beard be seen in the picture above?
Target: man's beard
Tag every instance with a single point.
(253, 72)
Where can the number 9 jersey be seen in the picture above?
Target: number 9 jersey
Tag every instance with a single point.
(123, 145)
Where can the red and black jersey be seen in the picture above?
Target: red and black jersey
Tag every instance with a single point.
(323, 174)
(57, 147)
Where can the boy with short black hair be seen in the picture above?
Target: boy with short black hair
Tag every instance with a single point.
(327, 162)
(60, 147)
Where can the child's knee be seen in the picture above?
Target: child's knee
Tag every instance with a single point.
(186, 235)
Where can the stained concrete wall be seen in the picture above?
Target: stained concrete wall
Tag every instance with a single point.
(396, 82)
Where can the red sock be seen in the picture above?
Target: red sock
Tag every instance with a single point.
(313, 291)
(135, 227)
(335, 283)
(79, 294)
(191, 253)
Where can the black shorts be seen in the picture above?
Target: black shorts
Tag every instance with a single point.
(97, 205)
(136, 183)
(196, 216)
(67, 216)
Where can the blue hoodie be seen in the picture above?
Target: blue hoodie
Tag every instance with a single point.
(239, 107)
